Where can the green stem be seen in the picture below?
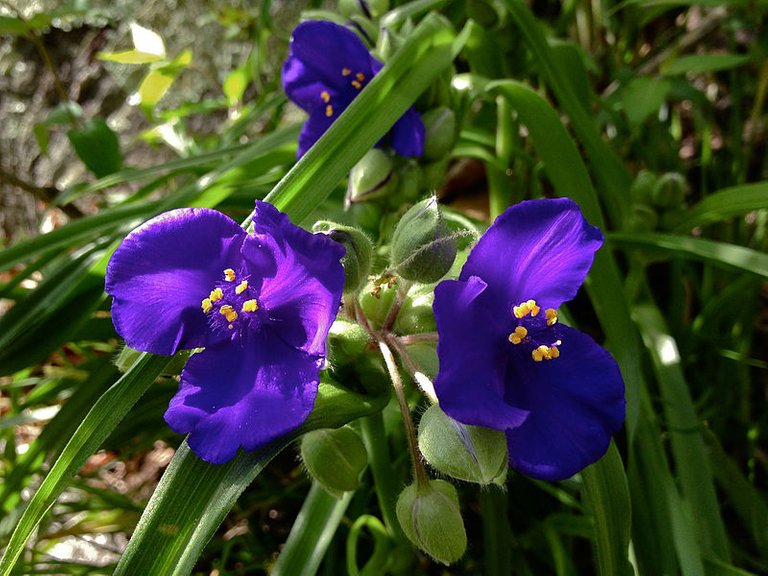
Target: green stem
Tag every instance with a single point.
(497, 533)
(419, 474)
(387, 483)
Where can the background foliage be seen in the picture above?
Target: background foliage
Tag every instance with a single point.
(651, 114)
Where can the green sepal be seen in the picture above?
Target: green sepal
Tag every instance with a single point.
(335, 458)
(431, 519)
(357, 259)
(470, 453)
(440, 132)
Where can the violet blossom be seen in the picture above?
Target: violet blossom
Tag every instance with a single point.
(259, 303)
(327, 66)
(507, 363)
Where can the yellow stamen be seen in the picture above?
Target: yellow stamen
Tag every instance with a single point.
(216, 295)
(207, 305)
(229, 275)
(326, 97)
(551, 315)
(360, 76)
(525, 308)
(356, 84)
(346, 71)
(250, 306)
(242, 287)
(545, 353)
(517, 336)
(329, 111)
(228, 313)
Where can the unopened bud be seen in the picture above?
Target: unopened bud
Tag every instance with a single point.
(431, 518)
(348, 341)
(470, 453)
(335, 458)
(372, 177)
(440, 132)
(408, 185)
(357, 259)
(641, 190)
(641, 218)
(669, 191)
(423, 248)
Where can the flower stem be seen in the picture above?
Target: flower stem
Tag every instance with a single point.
(387, 484)
(419, 473)
(402, 290)
(421, 379)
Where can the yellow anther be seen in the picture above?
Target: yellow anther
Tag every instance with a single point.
(228, 313)
(329, 111)
(517, 336)
(346, 71)
(525, 308)
(356, 84)
(242, 287)
(250, 306)
(216, 295)
(325, 96)
(551, 315)
(360, 76)
(229, 275)
(207, 305)
(545, 353)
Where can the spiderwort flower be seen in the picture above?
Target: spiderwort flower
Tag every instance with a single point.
(505, 360)
(326, 68)
(260, 303)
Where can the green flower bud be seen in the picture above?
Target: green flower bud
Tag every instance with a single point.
(335, 458)
(431, 519)
(642, 187)
(357, 259)
(376, 299)
(372, 177)
(416, 315)
(389, 43)
(423, 247)
(470, 453)
(433, 173)
(408, 185)
(367, 8)
(642, 218)
(348, 341)
(367, 215)
(669, 191)
(440, 135)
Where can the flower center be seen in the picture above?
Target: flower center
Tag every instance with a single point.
(535, 333)
(231, 305)
(357, 81)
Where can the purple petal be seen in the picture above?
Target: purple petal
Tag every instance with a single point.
(303, 85)
(243, 395)
(163, 270)
(539, 249)
(576, 404)
(408, 135)
(324, 49)
(313, 128)
(302, 292)
(470, 383)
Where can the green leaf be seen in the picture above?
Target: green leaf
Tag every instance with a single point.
(311, 534)
(725, 204)
(97, 146)
(235, 84)
(193, 497)
(691, 462)
(607, 496)
(13, 26)
(708, 251)
(642, 97)
(97, 425)
(129, 57)
(702, 63)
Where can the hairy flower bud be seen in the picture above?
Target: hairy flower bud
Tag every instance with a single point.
(335, 458)
(642, 187)
(470, 453)
(669, 191)
(372, 177)
(423, 248)
(431, 519)
(348, 341)
(440, 126)
(357, 259)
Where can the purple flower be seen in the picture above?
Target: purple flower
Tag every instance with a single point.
(326, 68)
(505, 360)
(260, 303)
